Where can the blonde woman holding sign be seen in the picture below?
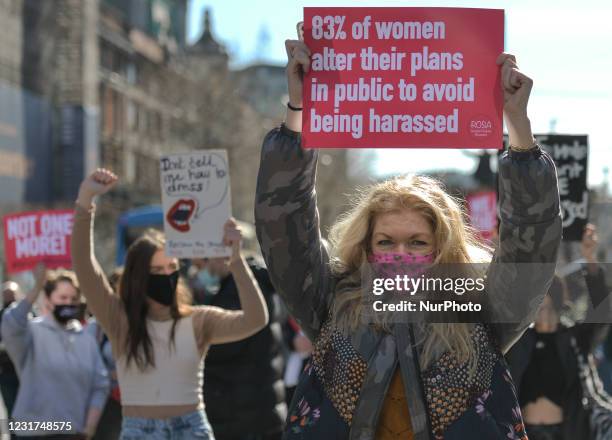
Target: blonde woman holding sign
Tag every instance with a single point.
(404, 381)
(159, 341)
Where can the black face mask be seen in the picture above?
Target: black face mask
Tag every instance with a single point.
(162, 288)
(65, 312)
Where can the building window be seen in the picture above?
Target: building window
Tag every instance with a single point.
(107, 57)
(157, 125)
(119, 114)
(131, 73)
(131, 115)
(137, 117)
(108, 112)
(115, 61)
(112, 157)
(147, 172)
(143, 118)
(129, 166)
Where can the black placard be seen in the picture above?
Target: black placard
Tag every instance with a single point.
(570, 153)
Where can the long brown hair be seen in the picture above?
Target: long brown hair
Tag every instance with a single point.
(133, 287)
(58, 276)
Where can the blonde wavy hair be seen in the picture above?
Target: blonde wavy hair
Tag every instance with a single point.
(454, 242)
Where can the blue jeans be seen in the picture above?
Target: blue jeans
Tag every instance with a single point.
(194, 425)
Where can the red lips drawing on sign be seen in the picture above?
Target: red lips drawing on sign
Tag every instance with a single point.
(180, 213)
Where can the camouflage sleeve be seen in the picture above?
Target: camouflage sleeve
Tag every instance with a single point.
(287, 224)
(529, 237)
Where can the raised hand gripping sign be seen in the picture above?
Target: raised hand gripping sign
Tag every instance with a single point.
(403, 77)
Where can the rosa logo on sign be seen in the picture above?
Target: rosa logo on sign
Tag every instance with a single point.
(481, 126)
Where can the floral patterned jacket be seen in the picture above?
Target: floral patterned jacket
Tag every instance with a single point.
(342, 389)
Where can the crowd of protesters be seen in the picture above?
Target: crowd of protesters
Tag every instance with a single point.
(64, 351)
(248, 350)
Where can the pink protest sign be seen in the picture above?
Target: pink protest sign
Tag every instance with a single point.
(40, 236)
(482, 209)
(403, 77)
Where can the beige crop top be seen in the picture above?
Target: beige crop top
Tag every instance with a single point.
(183, 359)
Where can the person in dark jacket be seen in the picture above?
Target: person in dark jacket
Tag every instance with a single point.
(604, 367)
(9, 382)
(243, 387)
(299, 350)
(543, 362)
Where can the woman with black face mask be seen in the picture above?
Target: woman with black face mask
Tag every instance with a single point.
(158, 339)
(62, 375)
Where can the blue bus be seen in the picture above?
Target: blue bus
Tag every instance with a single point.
(133, 223)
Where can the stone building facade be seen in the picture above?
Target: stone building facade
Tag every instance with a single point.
(113, 83)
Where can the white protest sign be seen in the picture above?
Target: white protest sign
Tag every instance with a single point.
(195, 190)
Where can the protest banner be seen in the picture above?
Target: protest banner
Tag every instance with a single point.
(403, 77)
(38, 237)
(195, 190)
(482, 211)
(570, 153)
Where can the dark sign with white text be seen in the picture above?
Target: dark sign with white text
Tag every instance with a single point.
(570, 153)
